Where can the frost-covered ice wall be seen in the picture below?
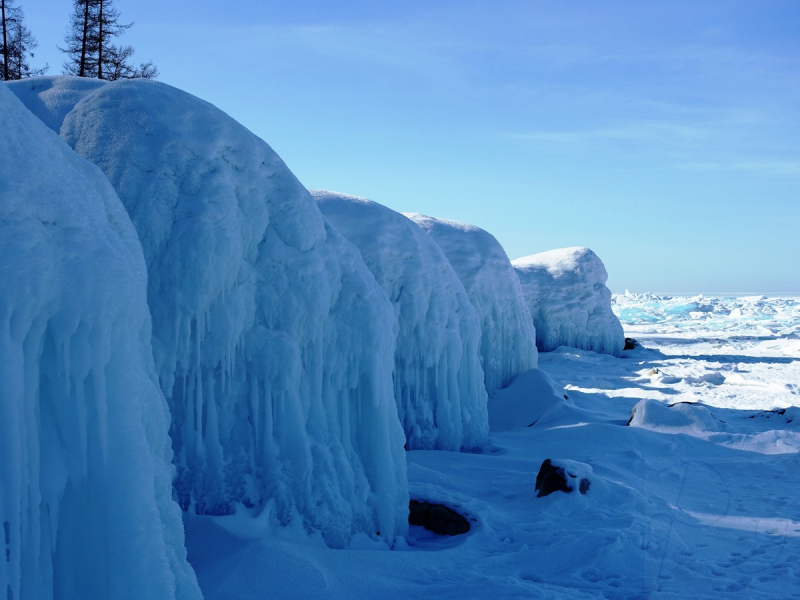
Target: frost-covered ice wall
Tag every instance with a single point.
(86, 505)
(272, 342)
(438, 378)
(569, 301)
(508, 339)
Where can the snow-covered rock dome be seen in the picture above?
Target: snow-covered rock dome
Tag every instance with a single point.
(508, 338)
(438, 378)
(272, 342)
(569, 301)
(85, 456)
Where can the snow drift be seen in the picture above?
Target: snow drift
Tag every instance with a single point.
(438, 378)
(683, 417)
(569, 301)
(86, 476)
(51, 98)
(508, 339)
(272, 341)
(523, 403)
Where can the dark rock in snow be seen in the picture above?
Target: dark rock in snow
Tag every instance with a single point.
(787, 414)
(630, 419)
(630, 344)
(436, 518)
(554, 478)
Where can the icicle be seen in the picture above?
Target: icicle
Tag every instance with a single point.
(240, 260)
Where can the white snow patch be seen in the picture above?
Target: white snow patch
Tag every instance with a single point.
(691, 419)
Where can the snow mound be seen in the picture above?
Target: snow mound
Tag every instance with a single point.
(271, 339)
(508, 340)
(569, 301)
(689, 418)
(51, 98)
(438, 380)
(85, 475)
(524, 402)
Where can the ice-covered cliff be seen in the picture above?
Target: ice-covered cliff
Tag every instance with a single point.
(438, 378)
(85, 460)
(272, 342)
(508, 339)
(569, 301)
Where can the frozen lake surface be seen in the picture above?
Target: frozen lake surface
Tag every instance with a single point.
(698, 497)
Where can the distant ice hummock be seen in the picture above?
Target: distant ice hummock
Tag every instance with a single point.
(86, 506)
(272, 342)
(508, 338)
(438, 378)
(569, 301)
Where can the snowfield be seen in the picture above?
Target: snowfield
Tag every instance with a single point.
(689, 501)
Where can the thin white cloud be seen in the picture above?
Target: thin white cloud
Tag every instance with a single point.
(765, 167)
(721, 145)
(648, 132)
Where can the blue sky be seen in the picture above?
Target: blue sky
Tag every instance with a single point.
(663, 135)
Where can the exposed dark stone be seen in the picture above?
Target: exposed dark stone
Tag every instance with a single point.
(436, 518)
(552, 478)
(630, 419)
(768, 414)
(630, 344)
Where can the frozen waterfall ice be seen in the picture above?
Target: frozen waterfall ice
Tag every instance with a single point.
(569, 301)
(508, 338)
(86, 504)
(272, 342)
(438, 378)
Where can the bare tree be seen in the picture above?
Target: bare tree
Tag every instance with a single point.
(89, 48)
(118, 67)
(18, 44)
(5, 42)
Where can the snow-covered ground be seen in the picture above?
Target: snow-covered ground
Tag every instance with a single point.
(728, 352)
(688, 501)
